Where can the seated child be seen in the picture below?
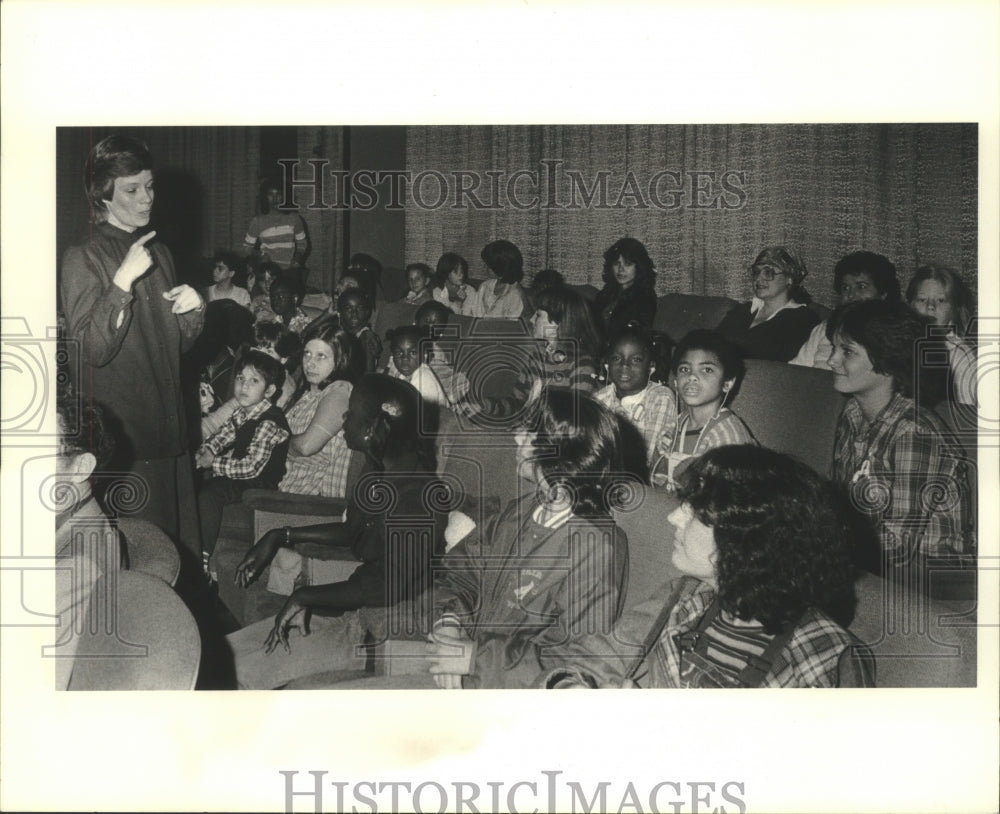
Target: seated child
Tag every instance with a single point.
(939, 294)
(433, 316)
(766, 592)
(418, 278)
(452, 288)
(228, 275)
(284, 306)
(355, 312)
(249, 450)
(410, 346)
(649, 405)
(890, 451)
(707, 370)
(260, 291)
(550, 568)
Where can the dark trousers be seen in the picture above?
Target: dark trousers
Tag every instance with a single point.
(214, 496)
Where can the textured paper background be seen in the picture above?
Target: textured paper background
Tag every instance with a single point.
(162, 64)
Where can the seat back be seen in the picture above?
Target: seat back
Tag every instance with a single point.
(917, 641)
(150, 550)
(679, 314)
(791, 409)
(139, 636)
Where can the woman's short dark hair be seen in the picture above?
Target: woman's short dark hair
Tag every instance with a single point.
(888, 331)
(878, 267)
(578, 448)
(112, 157)
(286, 343)
(634, 252)
(395, 406)
(955, 289)
(504, 259)
(782, 535)
(729, 354)
(791, 264)
(269, 368)
(567, 308)
(446, 264)
(82, 429)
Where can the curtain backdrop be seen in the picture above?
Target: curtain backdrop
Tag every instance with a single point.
(704, 199)
(325, 226)
(206, 187)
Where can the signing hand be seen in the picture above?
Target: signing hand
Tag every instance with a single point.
(257, 559)
(450, 653)
(136, 263)
(184, 299)
(203, 458)
(293, 615)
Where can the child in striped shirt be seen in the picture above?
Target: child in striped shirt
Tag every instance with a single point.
(707, 371)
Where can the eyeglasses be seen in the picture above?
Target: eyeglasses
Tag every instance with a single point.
(765, 272)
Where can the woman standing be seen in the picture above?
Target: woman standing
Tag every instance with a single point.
(776, 322)
(132, 321)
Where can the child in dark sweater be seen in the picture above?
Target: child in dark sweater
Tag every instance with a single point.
(249, 450)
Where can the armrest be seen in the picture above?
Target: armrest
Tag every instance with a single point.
(271, 500)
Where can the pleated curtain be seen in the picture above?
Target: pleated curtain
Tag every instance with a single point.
(908, 191)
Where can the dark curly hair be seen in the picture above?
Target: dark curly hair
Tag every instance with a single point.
(878, 267)
(578, 448)
(782, 535)
(82, 429)
(887, 331)
(634, 252)
(730, 356)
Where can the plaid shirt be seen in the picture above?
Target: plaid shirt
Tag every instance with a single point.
(903, 475)
(654, 412)
(265, 438)
(811, 658)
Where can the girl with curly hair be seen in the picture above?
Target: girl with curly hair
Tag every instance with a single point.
(766, 588)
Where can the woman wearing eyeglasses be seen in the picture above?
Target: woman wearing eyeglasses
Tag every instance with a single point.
(775, 323)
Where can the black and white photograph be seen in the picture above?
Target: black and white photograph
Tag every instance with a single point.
(526, 393)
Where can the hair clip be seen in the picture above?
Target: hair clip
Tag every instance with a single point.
(389, 408)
